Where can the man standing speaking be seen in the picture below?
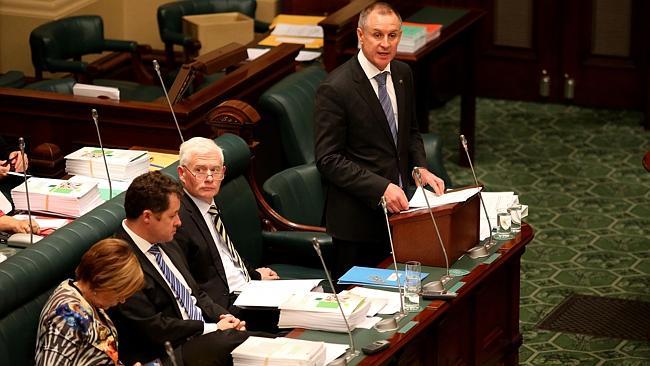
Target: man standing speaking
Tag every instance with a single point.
(367, 141)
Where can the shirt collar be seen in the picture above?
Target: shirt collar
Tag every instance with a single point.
(201, 204)
(368, 68)
(141, 243)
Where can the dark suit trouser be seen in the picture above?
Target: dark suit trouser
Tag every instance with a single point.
(353, 253)
(213, 349)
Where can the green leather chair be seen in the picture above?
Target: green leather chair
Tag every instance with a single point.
(293, 251)
(57, 46)
(170, 21)
(290, 105)
(12, 79)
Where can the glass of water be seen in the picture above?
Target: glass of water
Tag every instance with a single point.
(515, 217)
(504, 225)
(412, 283)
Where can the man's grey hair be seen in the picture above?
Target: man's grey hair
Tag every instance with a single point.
(198, 145)
(382, 8)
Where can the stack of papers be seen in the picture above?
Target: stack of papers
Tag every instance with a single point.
(272, 293)
(320, 311)
(456, 196)
(380, 277)
(123, 165)
(57, 196)
(432, 30)
(279, 351)
(301, 29)
(413, 38)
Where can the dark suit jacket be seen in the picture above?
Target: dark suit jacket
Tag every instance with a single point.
(355, 151)
(151, 316)
(194, 238)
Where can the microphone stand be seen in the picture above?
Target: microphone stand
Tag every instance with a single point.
(21, 147)
(99, 137)
(170, 353)
(434, 286)
(389, 324)
(353, 352)
(483, 250)
(156, 66)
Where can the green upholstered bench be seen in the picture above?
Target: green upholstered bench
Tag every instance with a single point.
(28, 277)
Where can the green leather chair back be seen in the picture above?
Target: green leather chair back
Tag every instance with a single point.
(297, 194)
(12, 79)
(61, 86)
(170, 15)
(290, 104)
(28, 277)
(53, 44)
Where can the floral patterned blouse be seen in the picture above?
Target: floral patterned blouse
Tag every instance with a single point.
(72, 332)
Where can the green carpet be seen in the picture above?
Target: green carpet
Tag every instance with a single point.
(580, 171)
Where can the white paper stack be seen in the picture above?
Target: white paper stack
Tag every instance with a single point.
(57, 196)
(413, 38)
(317, 310)
(123, 165)
(279, 351)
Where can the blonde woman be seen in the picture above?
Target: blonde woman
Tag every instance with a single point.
(74, 328)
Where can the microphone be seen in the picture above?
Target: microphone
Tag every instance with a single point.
(170, 353)
(157, 67)
(433, 287)
(353, 352)
(478, 251)
(21, 147)
(390, 324)
(99, 137)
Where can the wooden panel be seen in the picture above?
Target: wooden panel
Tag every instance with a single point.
(513, 23)
(611, 27)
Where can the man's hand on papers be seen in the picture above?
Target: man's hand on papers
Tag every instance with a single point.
(429, 178)
(228, 321)
(268, 273)
(395, 199)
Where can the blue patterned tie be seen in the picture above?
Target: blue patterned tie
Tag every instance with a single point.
(181, 292)
(388, 109)
(386, 104)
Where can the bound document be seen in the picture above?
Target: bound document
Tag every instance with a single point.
(279, 351)
(123, 165)
(317, 310)
(380, 277)
(57, 196)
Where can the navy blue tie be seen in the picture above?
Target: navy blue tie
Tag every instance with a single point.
(181, 292)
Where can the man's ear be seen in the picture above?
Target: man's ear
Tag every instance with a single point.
(360, 35)
(146, 216)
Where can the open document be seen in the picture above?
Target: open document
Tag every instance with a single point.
(455, 196)
(272, 293)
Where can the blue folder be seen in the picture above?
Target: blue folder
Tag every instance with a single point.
(379, 277)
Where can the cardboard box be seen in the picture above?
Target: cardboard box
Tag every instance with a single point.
(218, 29)
(267, 10)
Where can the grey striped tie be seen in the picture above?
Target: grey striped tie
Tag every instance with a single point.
(221, 229)
(386, 104)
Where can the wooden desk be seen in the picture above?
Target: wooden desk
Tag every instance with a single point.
(479, 327)
(459, 40)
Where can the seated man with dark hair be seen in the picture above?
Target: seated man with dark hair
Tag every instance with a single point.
(170, 307)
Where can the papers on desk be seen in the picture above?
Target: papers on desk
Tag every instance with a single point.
(456, 196)
(47, 225)
(495, 201)
(279, 351)
(381, 301)
(303, 56)
(380, 277)
(123, 165)
(272, 293)
(95, 91)
(295, 29)
(102, 185)
(320, 311)
(57, 196)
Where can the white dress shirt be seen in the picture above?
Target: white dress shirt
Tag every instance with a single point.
(234, 275)
(371, 71)
(144, 246)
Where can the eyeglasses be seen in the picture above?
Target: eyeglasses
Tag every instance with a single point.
(203, 173)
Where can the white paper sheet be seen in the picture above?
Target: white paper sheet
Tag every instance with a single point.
(272, 293)
(418, 200)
